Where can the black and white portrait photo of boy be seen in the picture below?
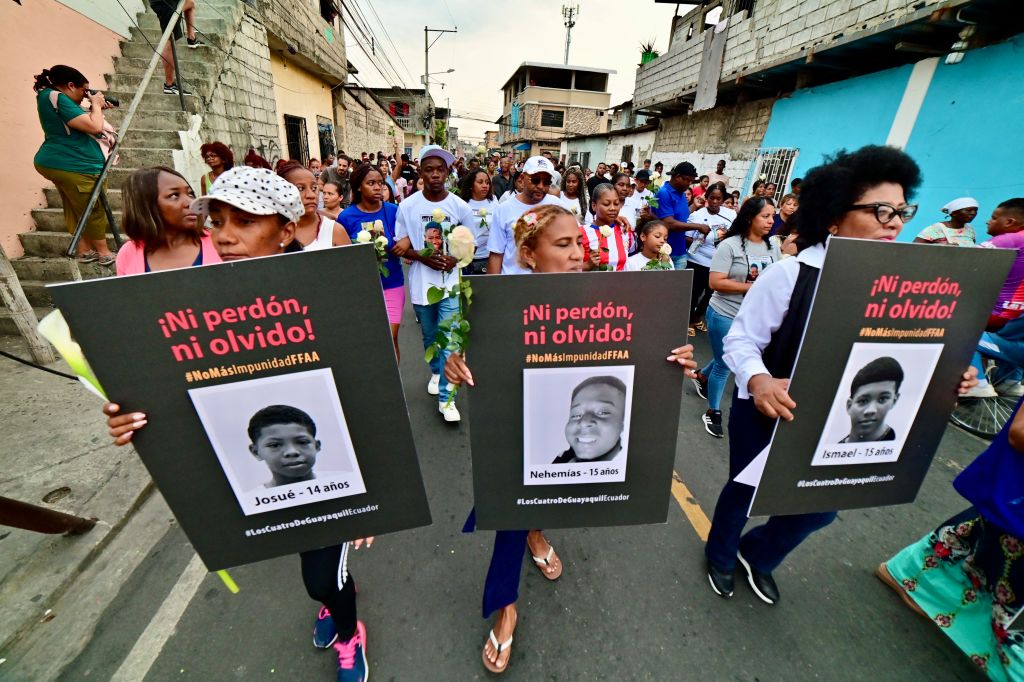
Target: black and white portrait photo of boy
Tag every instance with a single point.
(597, 413)
(873, 393)
(284, 438)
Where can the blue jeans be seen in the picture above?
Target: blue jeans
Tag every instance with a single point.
(716, 371)
(430, 317)
(679, 260)
(1005, 345)
(766, 546)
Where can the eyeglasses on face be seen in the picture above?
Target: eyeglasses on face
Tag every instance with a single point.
(884, 213)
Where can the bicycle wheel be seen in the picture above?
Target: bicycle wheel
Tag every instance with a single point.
(983, 417)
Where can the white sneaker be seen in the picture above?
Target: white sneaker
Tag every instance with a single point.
(1010, 389)
(981, 391)
(450, 412)
(434, 385)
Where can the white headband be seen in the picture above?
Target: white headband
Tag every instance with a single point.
(958, 204)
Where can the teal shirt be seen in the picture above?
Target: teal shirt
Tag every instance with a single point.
(76, 153)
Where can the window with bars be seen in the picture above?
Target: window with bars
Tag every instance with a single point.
(298, 142)
(552, 118)
(773, 165)
(627, 152)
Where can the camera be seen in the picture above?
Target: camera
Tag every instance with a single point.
(112, 101)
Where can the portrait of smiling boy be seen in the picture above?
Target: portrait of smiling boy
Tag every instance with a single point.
(597, 414)
(874, 391)
(284, 438)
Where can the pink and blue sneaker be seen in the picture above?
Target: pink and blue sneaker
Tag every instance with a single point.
(352, 657)
(324, 631)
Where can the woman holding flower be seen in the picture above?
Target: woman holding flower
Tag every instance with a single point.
(475, 190)
(607, 242)
(371, 219)
(547, 241)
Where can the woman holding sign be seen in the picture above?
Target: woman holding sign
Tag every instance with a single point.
(253, 213)
(860, 195)
(548, 241)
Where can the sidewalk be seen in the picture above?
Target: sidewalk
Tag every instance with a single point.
(55, 439)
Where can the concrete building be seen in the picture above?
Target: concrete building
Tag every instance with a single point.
(544, 103)
(731, 63)
(369, 125)
(491, 140)
(630, 138)
(411, 109)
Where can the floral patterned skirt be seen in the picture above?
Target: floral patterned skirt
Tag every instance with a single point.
(969, 578)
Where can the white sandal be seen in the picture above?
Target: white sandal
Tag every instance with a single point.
(543, 562)
(500, 648)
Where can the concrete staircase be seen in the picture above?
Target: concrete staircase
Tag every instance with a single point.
(151, 141)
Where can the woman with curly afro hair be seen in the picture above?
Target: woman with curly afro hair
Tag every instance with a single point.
(861, 195)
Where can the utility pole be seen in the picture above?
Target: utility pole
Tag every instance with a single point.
(569, 12)
(426, 72)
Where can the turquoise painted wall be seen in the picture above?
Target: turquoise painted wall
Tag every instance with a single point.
(968, 137)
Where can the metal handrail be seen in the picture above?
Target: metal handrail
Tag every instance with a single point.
(97, 192)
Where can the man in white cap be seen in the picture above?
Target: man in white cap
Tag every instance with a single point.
(957, 230)
(538, 174)
(433, 208)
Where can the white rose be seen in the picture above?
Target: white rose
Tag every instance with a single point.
(606, 231)
(665, 249)
(483, 212)
(462, 245)
(378, 226)
(363, 237)
(439, 215)
(382, 240)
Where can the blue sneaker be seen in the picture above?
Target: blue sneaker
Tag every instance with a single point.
(352, 657)
(324, 632)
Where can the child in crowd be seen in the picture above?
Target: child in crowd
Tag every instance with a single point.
(654, 251)
(597, 414)
(284, 438)
(607, 242)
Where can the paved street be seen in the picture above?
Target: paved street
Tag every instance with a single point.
(633, 603)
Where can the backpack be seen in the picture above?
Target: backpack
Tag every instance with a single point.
(106, 138)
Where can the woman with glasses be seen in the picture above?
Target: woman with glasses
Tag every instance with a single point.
(219, 158)
(860, 195)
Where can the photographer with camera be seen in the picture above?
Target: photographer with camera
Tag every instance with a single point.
(71, 156)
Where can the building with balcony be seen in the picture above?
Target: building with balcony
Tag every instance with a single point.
(775, 86)
(412, 109)
(544, 103)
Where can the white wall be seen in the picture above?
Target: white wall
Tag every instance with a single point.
(108, 13)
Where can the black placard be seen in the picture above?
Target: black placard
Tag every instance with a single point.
(202, 351)
(575, 409)
(891, 331)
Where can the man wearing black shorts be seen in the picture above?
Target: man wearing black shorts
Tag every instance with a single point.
(164, 10)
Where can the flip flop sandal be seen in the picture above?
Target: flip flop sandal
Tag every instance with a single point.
(883, 574)
(546, 561)
(500, 648)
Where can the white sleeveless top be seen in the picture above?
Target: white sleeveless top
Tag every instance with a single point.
(324, 236)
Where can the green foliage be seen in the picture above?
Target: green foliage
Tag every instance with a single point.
(441, 133)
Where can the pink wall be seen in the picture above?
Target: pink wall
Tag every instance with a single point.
(37, 35)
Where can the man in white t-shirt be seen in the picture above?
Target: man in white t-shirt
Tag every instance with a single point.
(538, 174)
(719, 174)
(432, 209)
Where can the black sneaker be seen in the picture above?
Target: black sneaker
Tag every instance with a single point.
(713, 423)
(762, 584)
(722, 582)
(193, 43)
(701, 384)
(172, 89)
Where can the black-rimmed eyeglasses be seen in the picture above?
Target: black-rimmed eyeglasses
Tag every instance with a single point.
(884, 213)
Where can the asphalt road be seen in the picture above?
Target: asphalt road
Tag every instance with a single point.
(633, 602)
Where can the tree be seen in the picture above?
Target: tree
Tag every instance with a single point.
(441, 133)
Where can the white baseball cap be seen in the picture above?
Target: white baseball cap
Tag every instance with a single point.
(259, 191)
(440, 152)
(539, 164)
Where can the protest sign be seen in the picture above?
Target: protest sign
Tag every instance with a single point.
(891, 330)
(277, 421)
(575, 409)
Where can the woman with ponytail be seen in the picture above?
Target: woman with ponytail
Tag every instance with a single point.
(70, 157)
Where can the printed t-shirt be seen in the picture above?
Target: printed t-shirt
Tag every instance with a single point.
(353, 219)
(481, 225)
(413, 215)
(503, 239)
(614, 249)
(65, 149)
(705, 250)
(938, 233)
(1010, 302)
(673, 204)
(741, 261)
